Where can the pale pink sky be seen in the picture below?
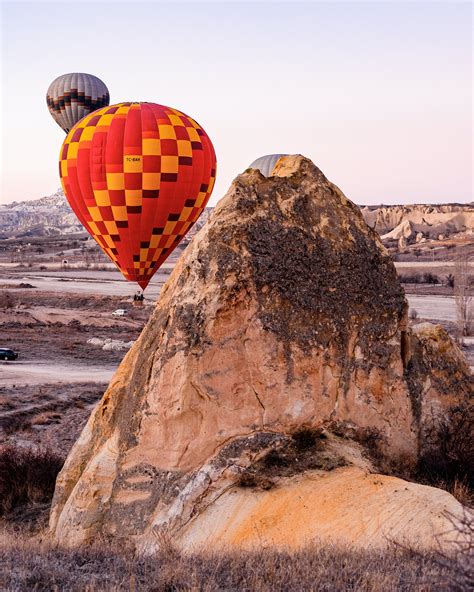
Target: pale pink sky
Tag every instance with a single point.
(378, 95)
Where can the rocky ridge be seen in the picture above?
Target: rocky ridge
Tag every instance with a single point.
(46, 216)
(413, 223)
(416, 223)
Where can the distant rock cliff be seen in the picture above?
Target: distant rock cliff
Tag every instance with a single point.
(413, 222)
(279, 343)
(53, 215)
(40, 217)
(49, 216)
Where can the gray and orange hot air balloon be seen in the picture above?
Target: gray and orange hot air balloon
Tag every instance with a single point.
(266, 164)
(73, 96)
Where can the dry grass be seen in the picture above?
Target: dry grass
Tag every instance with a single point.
(26, 485)
(47, 414)
(449, 462)
(27, 476)
(103, 568)
(27, 479)
(46, 418)
(462, 492)
(461, 560)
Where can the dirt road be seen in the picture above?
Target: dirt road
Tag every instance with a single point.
(20, 373)
(424, 264)
(107, 284)
(436, 308)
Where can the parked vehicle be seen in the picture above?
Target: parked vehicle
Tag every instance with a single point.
(120, 312)
(7, 354)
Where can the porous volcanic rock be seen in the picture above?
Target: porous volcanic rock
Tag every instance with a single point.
(281, 332)
(441, 389)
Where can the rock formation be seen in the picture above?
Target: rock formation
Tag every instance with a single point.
(46, 216)
(441, 390)
(347, 506)
(278, 345)
(447, 219)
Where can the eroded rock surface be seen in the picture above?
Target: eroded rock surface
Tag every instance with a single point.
(283, 317)
(347, 506)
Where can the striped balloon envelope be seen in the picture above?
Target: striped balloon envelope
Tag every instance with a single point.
(266, 164)
(138, 176)
(73, 96)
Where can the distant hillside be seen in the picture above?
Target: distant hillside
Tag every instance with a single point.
(49, 216)
(419, 223)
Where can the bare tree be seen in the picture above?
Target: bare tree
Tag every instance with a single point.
(463, 295)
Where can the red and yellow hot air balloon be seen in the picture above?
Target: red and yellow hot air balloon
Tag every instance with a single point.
(137, 175)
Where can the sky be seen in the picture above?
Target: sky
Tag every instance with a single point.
(377, 94)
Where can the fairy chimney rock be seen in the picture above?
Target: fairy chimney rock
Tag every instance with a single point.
(283, 317)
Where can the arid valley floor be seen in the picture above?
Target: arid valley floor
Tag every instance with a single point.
(48, 317)
(49, 312)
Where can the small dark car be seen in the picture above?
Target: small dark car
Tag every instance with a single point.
(7, 354)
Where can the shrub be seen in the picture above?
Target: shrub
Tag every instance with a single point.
(27, 476)
(449, 460)
(430, 278)
(306, 449)
(7, 300)
(450, 280)
(306, 439)
(410, 278)
(12, 423)
(459, 561)
(463, 296)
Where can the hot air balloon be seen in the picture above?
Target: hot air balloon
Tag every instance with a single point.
(72, 96)
(266, 164)
(137, 175)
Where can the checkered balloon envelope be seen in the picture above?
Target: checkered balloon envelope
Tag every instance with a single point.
(138, 176)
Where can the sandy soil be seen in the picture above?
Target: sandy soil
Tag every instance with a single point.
(47, 315)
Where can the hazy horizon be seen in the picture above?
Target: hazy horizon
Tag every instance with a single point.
(213, 203)
(378, 95)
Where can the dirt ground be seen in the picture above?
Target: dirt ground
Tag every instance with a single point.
(47, 394)
(105, 283)
(50, 415)
(48, 328)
